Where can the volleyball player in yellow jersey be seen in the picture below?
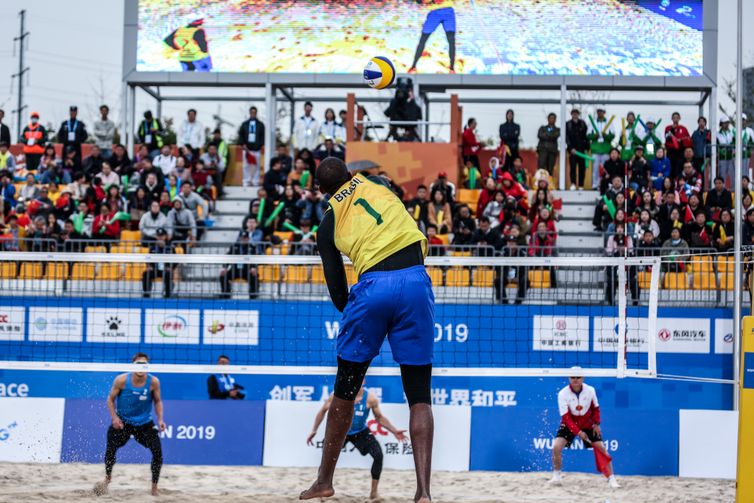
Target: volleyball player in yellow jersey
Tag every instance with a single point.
(393, 297)
(191, 43)
(441, 13)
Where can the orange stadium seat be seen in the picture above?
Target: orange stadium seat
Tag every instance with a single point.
(8, 270)
(110, 272)
(130, 235)
(56, 271)
(704, 281)
(539, 279)
(726, 280)
(95, 249)
(83, 271)
(435, 274)
(483, 277)
(701, 263)
(644, 279)
(351, 276)
(30, 270)
(675, 281)
(724, 264)
(134, 272)
(269, 273)
(457, 276)
(296, 274)
(318, 275)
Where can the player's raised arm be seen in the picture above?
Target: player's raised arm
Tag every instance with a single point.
(318, 419)
(332, 262)
(157, 399)
(117, 387)
(374, 404)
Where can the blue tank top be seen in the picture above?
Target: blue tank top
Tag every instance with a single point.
(360, 415)
(134, 405)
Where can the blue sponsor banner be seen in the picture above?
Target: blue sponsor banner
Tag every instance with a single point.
(749, 370)
(644, 442)
(207, 432)
(688, 12)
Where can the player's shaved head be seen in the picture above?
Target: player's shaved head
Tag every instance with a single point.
(331, 174)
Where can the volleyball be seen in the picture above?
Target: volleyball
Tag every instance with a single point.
(379, 73)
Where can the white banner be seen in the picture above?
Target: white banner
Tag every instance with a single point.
(56, 324)
(606, 334)
(113, 325)
(723, 336)
(288, 423)
(708, 443)
(683, 335)
(171, 326)
(12, 323)
(231, 327)
(31, 429)
(561, 333)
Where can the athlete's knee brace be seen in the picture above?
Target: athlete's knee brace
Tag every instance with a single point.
(417, 382)
(349, 378)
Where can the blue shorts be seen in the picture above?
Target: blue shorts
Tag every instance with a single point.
(399, 304)
(200, 65)
(445, 17)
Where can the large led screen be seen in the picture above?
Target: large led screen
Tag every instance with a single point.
(486, 37)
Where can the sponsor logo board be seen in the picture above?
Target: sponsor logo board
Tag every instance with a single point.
(113, 325)
(723, 336)
(561, 333)
(12, 323)
(31, 429)
(55, 324)
(606, 334)
(169, 326)
(231, 327)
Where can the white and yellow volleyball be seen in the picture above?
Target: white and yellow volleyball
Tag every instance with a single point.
(379, 73)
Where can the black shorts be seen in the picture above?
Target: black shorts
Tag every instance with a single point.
(146, 435)
(564, 432)
(363, 441)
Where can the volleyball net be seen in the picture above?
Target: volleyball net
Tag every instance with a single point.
(271, 314)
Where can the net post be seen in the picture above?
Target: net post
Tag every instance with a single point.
(621, 353)
(654, 293)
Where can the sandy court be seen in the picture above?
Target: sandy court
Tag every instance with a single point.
(31, 483)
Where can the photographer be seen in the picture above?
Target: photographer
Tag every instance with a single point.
(620, 245)
(403, 108)
(224, 386)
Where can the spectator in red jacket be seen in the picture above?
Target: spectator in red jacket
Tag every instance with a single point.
(105, 227)
(542, 242)
(486, 195)
(470, 144)
(510, 187)
(545, 216)
(677, 139)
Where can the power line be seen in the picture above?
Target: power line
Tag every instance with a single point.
(67, 57)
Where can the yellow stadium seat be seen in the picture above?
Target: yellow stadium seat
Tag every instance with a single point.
(95, 249)
(83, 271)
(460, 253)
(726, 281)
(179, 250)
(724, 264)
(134, 272)
(284, 235)
(469, 196)
(457, 276)
(701, 263)
(435, 274)
(645, 280)
(30, 270)
(539, 279)
(140, 249)
(705, 281)
(120, 248)
(318, 275)
(8, 270)
(110, 272)
(296, 274)
(675, 281)
(269, 273)
(57, 271)
(351, 276)
(130, 236)
(484, 277)
(445, 238)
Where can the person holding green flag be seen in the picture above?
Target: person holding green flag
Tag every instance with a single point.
(606, 207)
(631, 131)
(601, 134)
(650, 141)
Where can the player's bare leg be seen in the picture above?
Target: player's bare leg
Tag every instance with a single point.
(155, 490)
(339, 421)
(374, 494)
(422, 427)
(557, 459)
(100, 488)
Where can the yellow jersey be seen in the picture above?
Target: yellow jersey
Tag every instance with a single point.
(440, 4)
(190, 51)
(371, 223)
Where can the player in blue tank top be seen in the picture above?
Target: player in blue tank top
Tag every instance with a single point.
(359, 434)
(130, 403)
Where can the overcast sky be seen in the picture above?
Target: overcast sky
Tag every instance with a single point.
(75, 56)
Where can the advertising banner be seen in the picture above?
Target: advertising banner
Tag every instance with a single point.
(683, 335)
(55, 324)
(12, 323)
(288, 423)
(705, 455)
(207, 432)
(231, 327)
(561, 333)
(31, 429)
(521, 439)
(171, 326)
(113, 325)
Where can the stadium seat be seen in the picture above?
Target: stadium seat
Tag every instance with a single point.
(30, 270)
(56, 271)
(445, 238)
(110, 272)
(318, 275)
(351, 276)
(457, 276)
(83, 271)
(269, 273)
(134, 272)
(284, 235)
(460, 253)
(701, 263)
(644, 279)
(726, 280)
(140, 249)
(469, 197)
(704, 281)
(121, 248)
(179, 250)
(8, 270)
(296, 274)
(539, 279)
(483, 277)
(435, 274)
(724, 264)
(95, 249)
(130, 236)
(675, 281)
